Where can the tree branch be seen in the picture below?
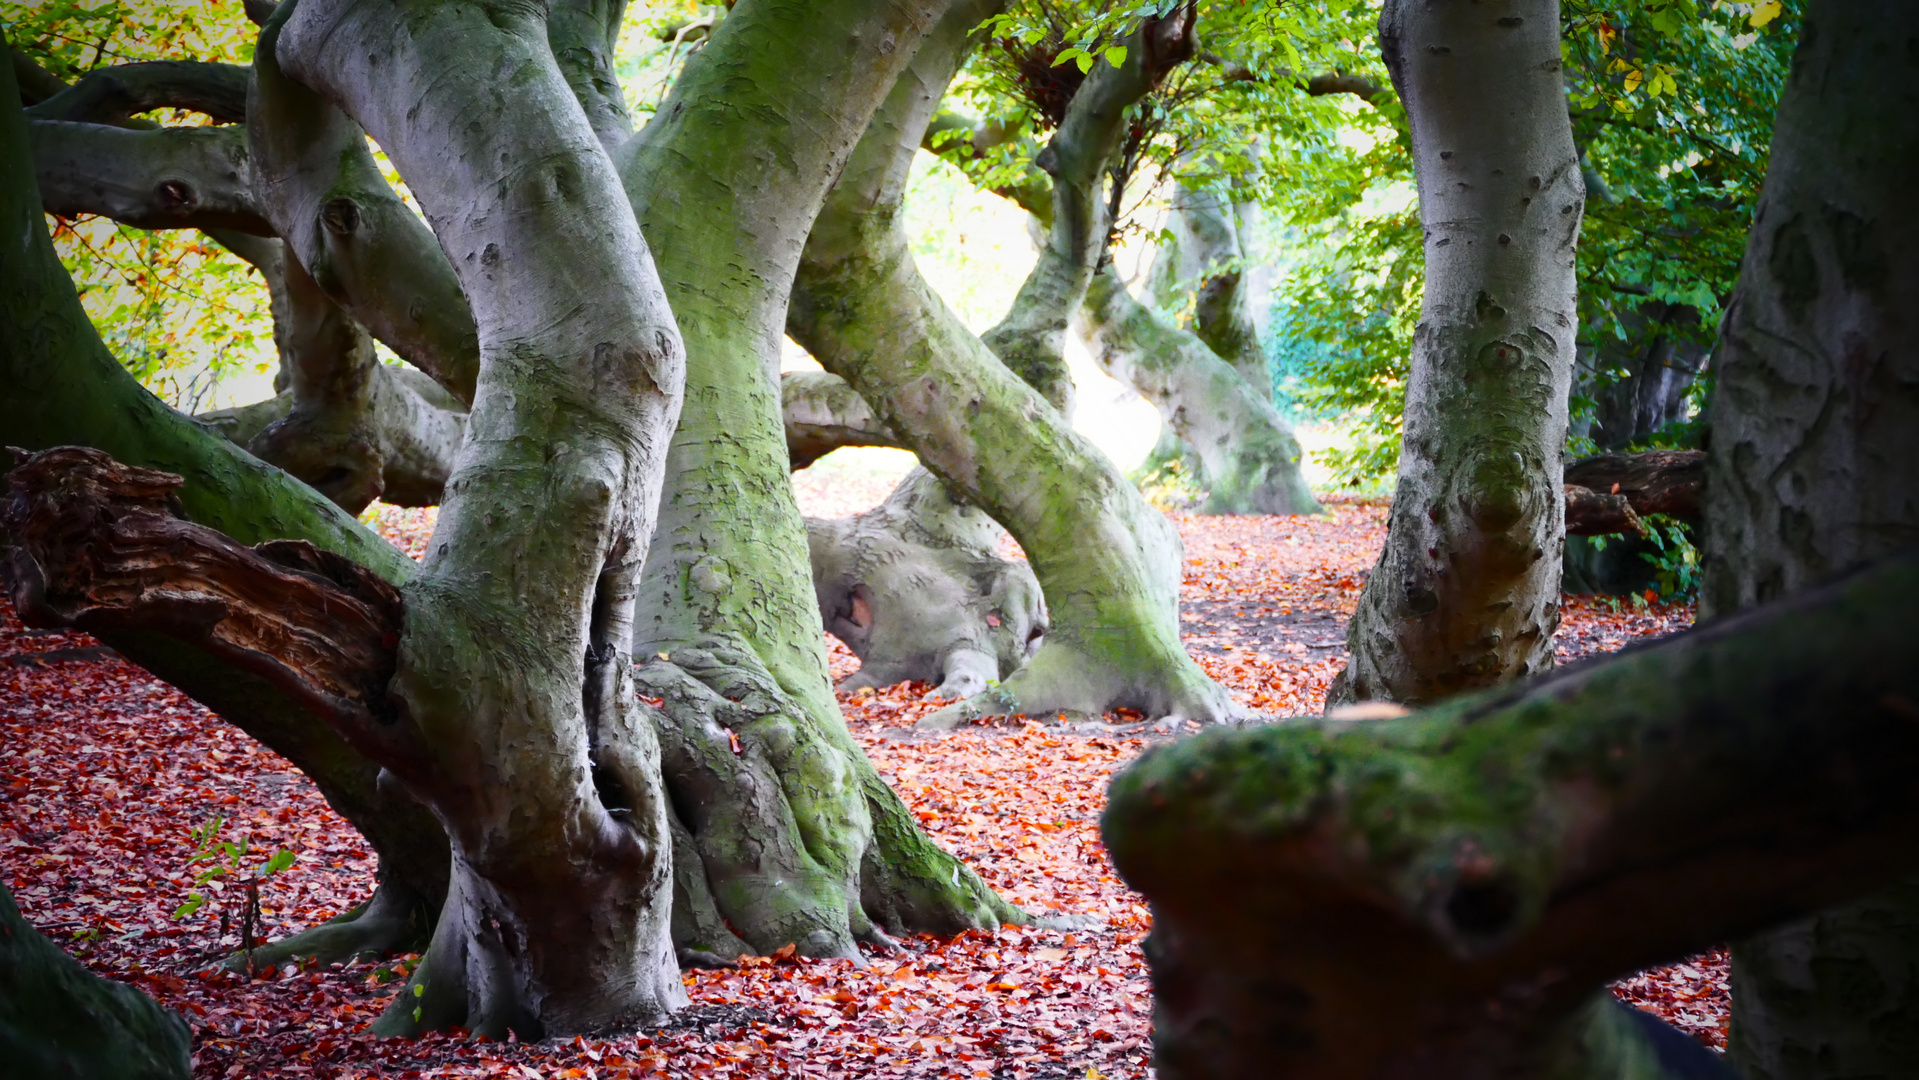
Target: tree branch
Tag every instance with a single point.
(326, 197)
(1443, 895)
(113, 95)
(164, 178)
(103, 547)
(823, 413)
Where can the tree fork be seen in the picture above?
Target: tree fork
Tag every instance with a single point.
(1446, 894)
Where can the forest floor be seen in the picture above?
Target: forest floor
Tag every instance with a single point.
(105, 773)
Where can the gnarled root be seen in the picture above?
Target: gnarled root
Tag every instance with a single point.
(784, 833)
(917, 589)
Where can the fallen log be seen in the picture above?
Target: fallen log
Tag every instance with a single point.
(1610, 493)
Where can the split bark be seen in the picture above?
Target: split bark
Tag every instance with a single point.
(1466, 592)
(1611, 492)
(59, 385)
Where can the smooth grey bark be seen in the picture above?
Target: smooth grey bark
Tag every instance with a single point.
(916, 587)
(583, 35)
(57, 1019)
(1446, 895)
(355, 429)
(522, 731)
(822, 412)
(801, 842)
(166, 178)
(1207, 256)
(1109, 564)
(1814, 471)
(321, 191)
(1466, 592)
(59, 386)
(113, 95)
(1247, 453)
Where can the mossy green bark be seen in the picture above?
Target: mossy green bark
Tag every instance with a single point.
(1441, 895)
(1247, 452)
(59, 1020)
(800, 840)
(1466, 592)
(1108, 562)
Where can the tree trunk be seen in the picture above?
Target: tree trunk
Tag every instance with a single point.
(1466, 592)
(1815, 438)
(1641, 385)
(916, 587)
(793, 838)
(1246, 450)
(1031, 338)
(1109, 563)
(1208, 258)
(1446, 895)
(58, 386)
(57, 1019)
(518, 628)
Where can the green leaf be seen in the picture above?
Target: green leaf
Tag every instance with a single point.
(1116, 55)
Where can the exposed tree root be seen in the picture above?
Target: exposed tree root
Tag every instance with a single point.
(785, 834)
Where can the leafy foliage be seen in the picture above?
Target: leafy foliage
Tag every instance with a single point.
(1671, 103)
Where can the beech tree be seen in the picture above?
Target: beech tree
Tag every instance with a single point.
(516, 632)
(1466, 593)
(1815, 437)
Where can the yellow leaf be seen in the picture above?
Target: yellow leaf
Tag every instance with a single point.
(1633, 79)
(1764, 13)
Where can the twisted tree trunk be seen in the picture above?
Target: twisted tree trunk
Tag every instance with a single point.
(59, 385)
(1815, 440)
(1466, 592)
(1247, 453)
(1109, 564)
(520, 727)
(799, 839)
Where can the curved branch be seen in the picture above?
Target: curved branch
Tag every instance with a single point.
(582, 35)
(113, 95)
(325, 196)
(161, 178)
(37, 84)
(823, 413)
(1459, 885)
